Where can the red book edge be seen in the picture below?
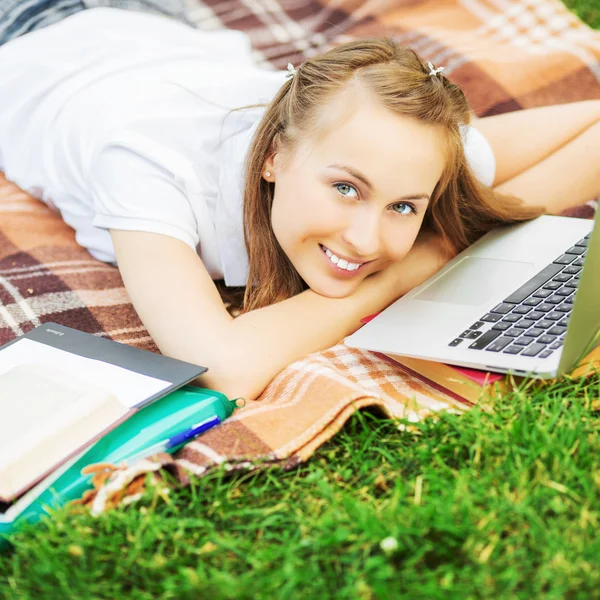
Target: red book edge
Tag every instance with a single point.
(429, 382)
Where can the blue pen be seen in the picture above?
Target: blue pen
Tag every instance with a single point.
(176, 440)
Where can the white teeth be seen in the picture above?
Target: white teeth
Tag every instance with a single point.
(340, 262)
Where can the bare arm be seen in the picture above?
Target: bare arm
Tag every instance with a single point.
(180, 306)
(553, 159)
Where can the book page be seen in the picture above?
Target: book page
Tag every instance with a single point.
(28, 398)
(129, 387)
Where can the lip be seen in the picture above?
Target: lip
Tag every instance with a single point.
(346, 258)
(338, 270)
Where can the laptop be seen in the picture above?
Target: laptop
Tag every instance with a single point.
(523, 299)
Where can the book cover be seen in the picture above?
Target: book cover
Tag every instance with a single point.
(469, 385)
(465, 385)
(62, 389)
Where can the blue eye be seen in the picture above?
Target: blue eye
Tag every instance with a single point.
(340, 188)
(404, 208)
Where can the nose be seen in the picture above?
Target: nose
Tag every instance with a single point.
(363, 233)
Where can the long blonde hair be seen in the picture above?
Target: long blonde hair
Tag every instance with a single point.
(461, 208)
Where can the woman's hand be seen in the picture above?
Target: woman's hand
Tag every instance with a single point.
(427, 256)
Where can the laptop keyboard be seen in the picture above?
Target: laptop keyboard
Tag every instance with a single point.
(532, 321)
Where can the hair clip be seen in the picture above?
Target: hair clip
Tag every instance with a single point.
(433, 71)
(291, 70)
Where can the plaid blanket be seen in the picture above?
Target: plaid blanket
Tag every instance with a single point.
(506, 54)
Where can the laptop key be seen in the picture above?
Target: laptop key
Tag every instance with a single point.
(543, 293)
(546, 339)
(491, 318)
(584, 242)
(532, 301)
(579, 262)
(534, 332)
(576, 250)
(455, 342)
(477, 325)
(512, 318)
(533, 284)
(501, 326)
(565, 259)
(525, 323)
(556, 345)
(513, 332)
(523, 341)
(570, 284)
(522, 310)
(564, 308)
(513, 349)
(533, 350)
(562, 277)
(552, 285)
(555, 315)
(535, 314)
(502, 308)
(565, 291)
(563, 323)
(544, 323)
(499, 344)
(545, 353)
(554, 299)
(572, 270)
(472, 334)
(556, 330)
(544, 308)
(485, 339)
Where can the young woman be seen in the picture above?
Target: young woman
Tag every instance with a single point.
(328, 190)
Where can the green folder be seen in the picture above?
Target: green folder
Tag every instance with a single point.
(154, 423)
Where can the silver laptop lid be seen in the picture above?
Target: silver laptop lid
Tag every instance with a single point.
(584, 324)
(421, 324)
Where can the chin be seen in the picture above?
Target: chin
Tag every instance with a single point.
(333, 289)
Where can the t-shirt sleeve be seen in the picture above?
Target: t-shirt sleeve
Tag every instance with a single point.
(135, 193)
(479, 154)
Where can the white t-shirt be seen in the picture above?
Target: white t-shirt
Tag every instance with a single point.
(121, 120)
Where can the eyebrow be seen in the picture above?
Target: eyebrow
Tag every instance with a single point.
(369, 185)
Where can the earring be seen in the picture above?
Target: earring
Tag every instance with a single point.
(267, 173)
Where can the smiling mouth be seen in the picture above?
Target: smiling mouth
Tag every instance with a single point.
(341, 262)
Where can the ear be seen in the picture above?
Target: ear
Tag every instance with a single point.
(273, 161)
(269, 167)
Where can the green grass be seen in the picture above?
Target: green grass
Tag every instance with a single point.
(502, 505)
(587, 10)
(483, 505)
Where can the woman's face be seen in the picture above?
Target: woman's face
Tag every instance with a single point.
(352, 202)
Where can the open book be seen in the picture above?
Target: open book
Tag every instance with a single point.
(62, 389)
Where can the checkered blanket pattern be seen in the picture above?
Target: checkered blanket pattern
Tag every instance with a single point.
(506, 54)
